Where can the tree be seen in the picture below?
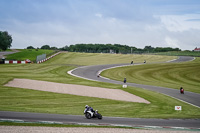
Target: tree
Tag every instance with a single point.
(116, 48)
(65, 48)
(5, 40)
(30, 47)
(54, 48)
(148, 48)
(45, 47)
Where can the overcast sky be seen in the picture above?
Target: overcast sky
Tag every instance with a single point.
(139, 23)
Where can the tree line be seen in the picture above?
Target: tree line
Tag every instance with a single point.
(108, 48)
(6, 40)
(43, 47)
(115, 48)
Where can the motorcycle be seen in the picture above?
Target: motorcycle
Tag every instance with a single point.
(89, 114)
(182, 91)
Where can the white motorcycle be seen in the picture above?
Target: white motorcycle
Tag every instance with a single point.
(89, 114)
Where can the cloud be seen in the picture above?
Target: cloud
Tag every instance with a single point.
(134, 23)
(104, 30)
(172, 42)
(193, 20)
(99, 15)
(180, 23)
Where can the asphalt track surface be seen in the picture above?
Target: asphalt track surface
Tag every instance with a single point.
(2, 54)
(90, 72)
(76, 119)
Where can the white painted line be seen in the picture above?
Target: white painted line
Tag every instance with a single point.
(105, 78)
(178, 127)
(70, 73)
(172, 60)
(182, 101)
(193, 58)
(51, 122)
(88, 124)
(153, 127)
(100, 71)
(12, 120)
(119, 125)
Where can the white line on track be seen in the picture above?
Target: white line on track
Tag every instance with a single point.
(182, 101)
(70, 73)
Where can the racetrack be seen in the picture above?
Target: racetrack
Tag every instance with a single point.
(91, 72)
(76, 119)
(3, 54)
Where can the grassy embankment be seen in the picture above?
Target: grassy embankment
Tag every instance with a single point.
(17, 99)
(180, 53)
(30, 54)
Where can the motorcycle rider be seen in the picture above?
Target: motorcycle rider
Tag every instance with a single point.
(124, 80)
(90, 113)
(88, 108)
(96, 112)
(182, 90)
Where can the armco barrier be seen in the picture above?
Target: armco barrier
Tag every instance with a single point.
(48, 58)
(24, 62)
(14, 62)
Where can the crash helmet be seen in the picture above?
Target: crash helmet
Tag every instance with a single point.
(96, 111)
(86, 106)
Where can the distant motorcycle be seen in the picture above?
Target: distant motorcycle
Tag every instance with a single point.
(89, 114)
(182, 91)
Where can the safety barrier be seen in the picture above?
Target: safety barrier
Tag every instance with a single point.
(28, 61)
(15, 62)
(48, 58)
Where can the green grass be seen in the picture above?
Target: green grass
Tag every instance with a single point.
(180, 53)
(172, 75)
(30, 54)
(16, 99)
(55, 70)
(97, 59)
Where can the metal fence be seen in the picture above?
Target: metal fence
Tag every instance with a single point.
(41, 57)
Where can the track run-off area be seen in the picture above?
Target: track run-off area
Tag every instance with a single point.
(90, 73)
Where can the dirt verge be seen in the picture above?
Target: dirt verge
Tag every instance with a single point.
(114, 94)
(30, 129)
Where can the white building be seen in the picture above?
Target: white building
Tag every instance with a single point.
(197, 49)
